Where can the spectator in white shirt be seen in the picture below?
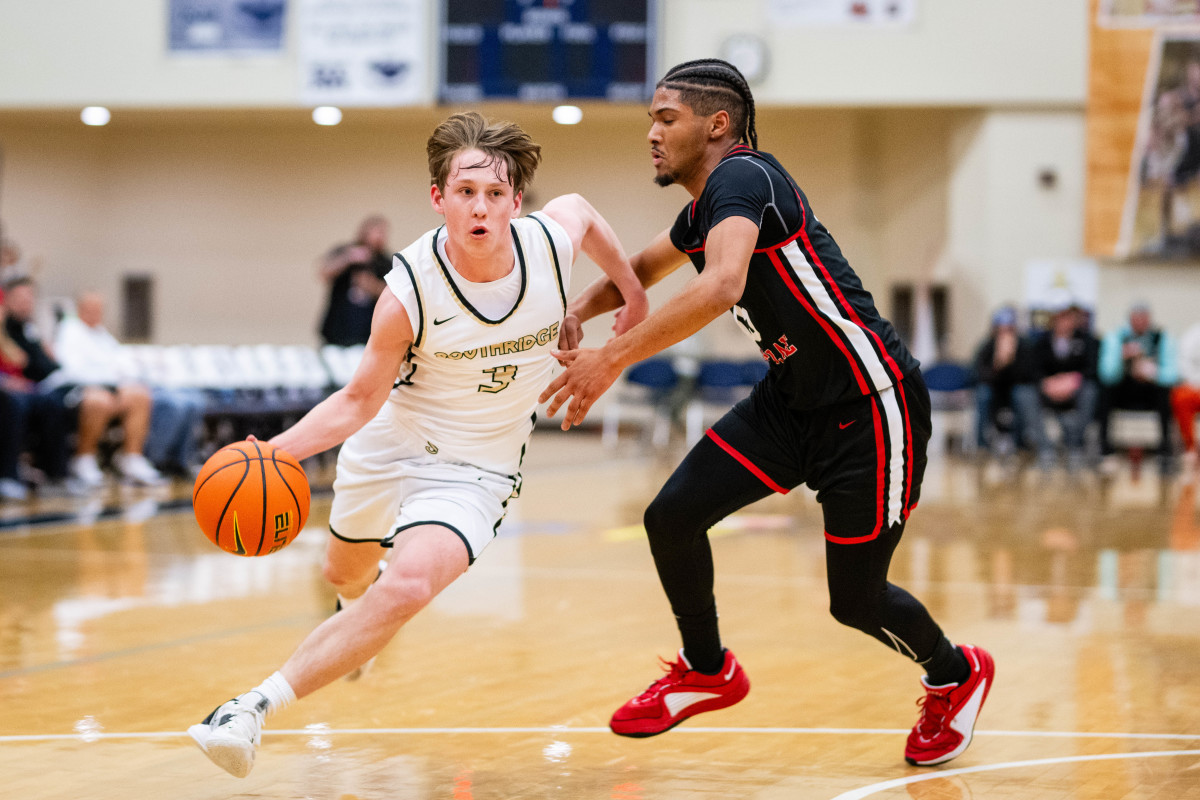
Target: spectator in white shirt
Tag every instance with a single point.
(90, 358)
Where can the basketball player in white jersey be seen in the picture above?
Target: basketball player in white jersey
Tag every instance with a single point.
(436, 418)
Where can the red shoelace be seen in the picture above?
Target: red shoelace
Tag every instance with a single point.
(935, 707)
(675, 672)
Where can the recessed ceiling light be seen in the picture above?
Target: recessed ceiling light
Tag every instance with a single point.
(567, 115)
(95, 115)
(327, 115)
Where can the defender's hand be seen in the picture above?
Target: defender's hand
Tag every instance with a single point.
(589, 374)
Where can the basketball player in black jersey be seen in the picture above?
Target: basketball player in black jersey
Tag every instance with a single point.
(843, 409)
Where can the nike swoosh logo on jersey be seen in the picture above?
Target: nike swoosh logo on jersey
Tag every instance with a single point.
(447, 319)
(678, 701)
(841, 425)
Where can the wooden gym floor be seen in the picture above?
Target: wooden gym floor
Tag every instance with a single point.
(120, 626)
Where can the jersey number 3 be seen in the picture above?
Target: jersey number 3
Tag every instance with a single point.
(501, 378)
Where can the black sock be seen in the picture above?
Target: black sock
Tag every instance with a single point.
(946, 665)
(702, 642)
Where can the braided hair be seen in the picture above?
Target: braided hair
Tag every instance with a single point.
(709, 85)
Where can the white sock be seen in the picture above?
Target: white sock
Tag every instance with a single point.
(278, 692)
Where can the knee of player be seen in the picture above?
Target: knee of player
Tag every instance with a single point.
(344, 578)
(652, 515)
(333, 572)
(403, 594)
(853, 612)
(663, 513)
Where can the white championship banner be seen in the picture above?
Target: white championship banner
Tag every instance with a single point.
(839, 13)
(362, 52)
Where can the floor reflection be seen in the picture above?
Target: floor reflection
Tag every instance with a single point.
(124, 622)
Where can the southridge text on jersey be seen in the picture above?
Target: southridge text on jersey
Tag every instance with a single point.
(543, 337)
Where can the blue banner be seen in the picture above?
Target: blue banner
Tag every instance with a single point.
(226, 26)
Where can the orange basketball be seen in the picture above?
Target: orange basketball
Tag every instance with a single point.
(251, 498)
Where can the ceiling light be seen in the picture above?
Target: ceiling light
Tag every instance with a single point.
(327, 115)
(95, 115)
(567, 115)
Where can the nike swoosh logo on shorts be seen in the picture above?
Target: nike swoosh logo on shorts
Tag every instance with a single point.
(447, 319)
(841, 425)
(678, 701)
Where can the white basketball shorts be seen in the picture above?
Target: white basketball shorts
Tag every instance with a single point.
(386, 485)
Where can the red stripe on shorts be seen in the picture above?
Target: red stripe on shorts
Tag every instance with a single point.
(745, 462)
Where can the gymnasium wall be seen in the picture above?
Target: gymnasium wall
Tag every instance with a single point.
(71, 53)
(230, 210)
(956, 52)
(932, 181)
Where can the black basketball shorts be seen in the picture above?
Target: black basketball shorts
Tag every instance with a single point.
(865, 458)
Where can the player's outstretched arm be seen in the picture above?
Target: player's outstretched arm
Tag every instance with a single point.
(591, 234)
(714, 291)
(335, 418)
(656, 261)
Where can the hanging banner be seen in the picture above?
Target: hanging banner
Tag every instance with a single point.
(1162, 203)
(831, 13)
(1148, 13)
(226, 27)
(362, 52)
(1051, 283)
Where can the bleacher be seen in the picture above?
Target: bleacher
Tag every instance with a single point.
(248, 389)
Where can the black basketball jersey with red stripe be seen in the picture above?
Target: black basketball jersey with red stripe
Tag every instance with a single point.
(807, 310)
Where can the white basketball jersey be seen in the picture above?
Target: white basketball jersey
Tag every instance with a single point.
(469, 388)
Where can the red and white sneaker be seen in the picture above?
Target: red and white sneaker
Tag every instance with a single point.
(680, 694)
(948, 713)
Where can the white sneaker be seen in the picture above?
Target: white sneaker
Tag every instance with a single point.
(136, 469)
(11, 489)
(86, 471)
(230, 735)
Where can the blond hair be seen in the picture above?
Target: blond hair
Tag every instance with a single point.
(499, 141)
